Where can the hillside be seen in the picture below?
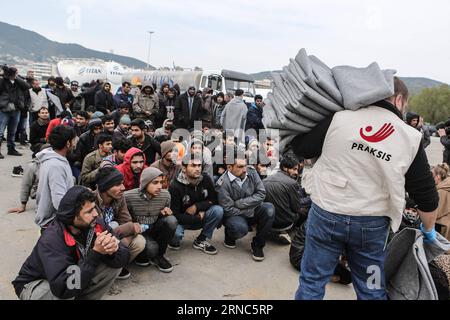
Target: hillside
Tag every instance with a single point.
(18, 45)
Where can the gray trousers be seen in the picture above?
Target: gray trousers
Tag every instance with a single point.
(100, 284)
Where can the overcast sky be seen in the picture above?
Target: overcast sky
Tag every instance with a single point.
(410, 36)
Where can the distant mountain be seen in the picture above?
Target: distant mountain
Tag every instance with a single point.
(415, 85)
(18, 45)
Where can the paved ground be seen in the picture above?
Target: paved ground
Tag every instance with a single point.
(232, 274)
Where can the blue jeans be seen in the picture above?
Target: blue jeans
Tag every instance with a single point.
(213, 217)
(9, 120)
(327, 236)
(21, 132)
(236, 227)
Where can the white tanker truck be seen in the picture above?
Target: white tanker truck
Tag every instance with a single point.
(225, 81)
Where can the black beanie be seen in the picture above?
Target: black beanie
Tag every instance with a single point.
(105, 183)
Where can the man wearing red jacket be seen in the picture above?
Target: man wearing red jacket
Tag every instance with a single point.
(133, 164)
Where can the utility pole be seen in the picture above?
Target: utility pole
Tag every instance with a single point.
(149, 47)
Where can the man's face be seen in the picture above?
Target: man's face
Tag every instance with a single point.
(36, 84)
(109, 126)
(124, 111)
(137, 164)
(166, 89)
(191, 92)
(97, 130)
(81, 121)
(74, 88)
(154, 187)
(120, 155)
(86, 218)
(126, 89)
(401, 103)
(261, 169)
(72, 144)
(219, 100)
(171, 94)
(229, 140)
(124, 127)
(196, 149)
(43, 114)
(136, 132)
(414, 123)
(116, 192)
(148, 90)
(259, 102)
(107, 88)
(168, 158)
(294, 172)
(52, 84)
(239, 168)
(227, 98)
(106, 147)
(194, 169)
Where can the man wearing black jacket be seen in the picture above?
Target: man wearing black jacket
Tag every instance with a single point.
(188, 108)
(12, 101)
(148, 145)
(38, 129)
(75, 258)
(367, 158)
(104, 100)
(194, 204)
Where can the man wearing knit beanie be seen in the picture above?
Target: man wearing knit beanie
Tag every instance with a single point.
(167, 164)
(122, 130)
(76, 240)
(149, 205)
(112, 207)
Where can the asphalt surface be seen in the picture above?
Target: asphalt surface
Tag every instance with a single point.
(229, 275)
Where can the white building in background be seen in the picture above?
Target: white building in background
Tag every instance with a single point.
(43, 71)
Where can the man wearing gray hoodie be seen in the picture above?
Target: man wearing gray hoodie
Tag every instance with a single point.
(55, 174)
(234, 116)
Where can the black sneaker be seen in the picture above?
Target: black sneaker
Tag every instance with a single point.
(17, 172)
(229, 243)
(2, 156)
(142, 262)
(174, 246)
(257, 253)
(162, 264)
(204, 246)
(124, 274)
(14, 152)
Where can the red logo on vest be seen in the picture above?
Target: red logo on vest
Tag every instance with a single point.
(385, 132)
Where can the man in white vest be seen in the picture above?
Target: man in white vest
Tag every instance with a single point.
(367, 160)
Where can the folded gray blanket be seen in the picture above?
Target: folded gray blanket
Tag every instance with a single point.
(307, 91)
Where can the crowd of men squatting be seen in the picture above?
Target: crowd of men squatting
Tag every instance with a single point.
(119, 178)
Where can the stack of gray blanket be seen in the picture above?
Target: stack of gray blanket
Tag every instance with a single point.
(308, 91)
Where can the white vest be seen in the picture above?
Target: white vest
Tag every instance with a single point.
(365, 157)
(38, 100)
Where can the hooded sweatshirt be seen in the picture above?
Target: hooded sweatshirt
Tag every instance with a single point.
(55, 178)
(234, 116)
(57, 250)
(129, 177)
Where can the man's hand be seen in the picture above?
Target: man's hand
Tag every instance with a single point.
(201, 215)
(18, 210)
(137, 228)
(442, 133)
(166, 211)
(98, 244)
(106, 244)
(192, 210)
